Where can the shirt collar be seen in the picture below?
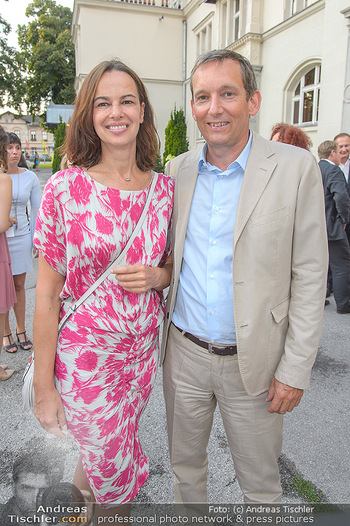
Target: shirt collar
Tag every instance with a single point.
(241, 160)
(345, 164)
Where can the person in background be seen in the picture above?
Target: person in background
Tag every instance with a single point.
(65, 163)
(25, 188)
(245, 306)
(95, 377)
(337, 206)
(283, 132)
(7, 289)
(343, 142)
(36, 161)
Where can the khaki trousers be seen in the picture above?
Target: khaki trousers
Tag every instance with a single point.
(194, 382)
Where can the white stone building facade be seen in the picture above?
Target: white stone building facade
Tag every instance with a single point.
(300, 50)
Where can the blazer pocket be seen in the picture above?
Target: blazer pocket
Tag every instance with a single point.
(280, 311)
(271, 217)
(278, 331)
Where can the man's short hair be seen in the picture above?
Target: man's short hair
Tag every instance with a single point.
(219, 55)
(325, 149)
(342, 134)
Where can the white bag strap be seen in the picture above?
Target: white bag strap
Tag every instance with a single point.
(116, 262)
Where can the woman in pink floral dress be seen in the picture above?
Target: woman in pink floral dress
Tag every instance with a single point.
(95, 378)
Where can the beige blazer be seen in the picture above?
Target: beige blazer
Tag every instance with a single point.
(280, 261)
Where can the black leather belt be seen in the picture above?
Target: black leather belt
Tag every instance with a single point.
(229, 350)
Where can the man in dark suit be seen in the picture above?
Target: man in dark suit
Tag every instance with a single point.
(343, 142)
(337, 204)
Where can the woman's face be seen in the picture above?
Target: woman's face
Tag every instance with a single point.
(13, 153)
(117, 112)
(276, 137)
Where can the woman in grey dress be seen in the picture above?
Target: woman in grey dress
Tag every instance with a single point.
(25, 188)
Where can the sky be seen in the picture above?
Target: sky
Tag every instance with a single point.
(13, 11)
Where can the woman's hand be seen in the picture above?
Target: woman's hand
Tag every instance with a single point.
(35, 253)
(138, 278)
(141, 278)
(48, 409)
(12, 221)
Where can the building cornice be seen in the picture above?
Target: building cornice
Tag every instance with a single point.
(256, 38)
(346, 13)
(295, 19)
(204, 22)
(191, 6)
(125, 6)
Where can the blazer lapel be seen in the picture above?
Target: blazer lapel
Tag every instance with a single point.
(185, 184)
(259, 169)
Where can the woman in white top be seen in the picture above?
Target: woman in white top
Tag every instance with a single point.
(25, 188)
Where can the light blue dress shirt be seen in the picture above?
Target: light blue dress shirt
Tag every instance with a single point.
(204, 302)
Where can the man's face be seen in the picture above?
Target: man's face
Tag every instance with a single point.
(343, 143)
(220, 105)
(26, 490)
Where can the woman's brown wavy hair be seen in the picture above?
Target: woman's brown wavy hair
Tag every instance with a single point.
(83, 146)
(4, 142)
(291, 135)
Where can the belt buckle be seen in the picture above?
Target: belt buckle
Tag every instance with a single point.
(210, 348)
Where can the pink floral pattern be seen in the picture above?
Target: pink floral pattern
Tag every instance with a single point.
(107, 352)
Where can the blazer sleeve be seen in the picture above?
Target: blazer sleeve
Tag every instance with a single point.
(337, 187)
(308, 281)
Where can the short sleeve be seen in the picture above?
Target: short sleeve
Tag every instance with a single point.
(50, 236)
(169, 248)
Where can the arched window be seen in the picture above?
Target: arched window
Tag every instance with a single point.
(306, 97)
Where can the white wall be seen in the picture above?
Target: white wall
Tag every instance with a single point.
(136, 35)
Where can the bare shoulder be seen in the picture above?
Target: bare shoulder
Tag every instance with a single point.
(5, 181)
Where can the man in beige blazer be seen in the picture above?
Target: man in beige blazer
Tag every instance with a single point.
(245, 306)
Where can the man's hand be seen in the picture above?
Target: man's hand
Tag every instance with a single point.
(283, 398)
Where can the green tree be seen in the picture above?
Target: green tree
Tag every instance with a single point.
(12, 87)
(158, 164)
(60, 134)
(48, 54)
(175, 135)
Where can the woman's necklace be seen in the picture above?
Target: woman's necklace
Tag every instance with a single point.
(127, 179)
(114, 173)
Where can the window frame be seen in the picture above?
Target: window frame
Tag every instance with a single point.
(300, 98)
(230, 21)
